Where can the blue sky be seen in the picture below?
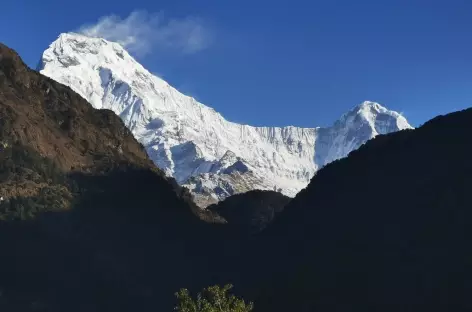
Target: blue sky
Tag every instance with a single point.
(279, 63)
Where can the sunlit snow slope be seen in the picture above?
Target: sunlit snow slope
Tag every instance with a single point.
(191, 141)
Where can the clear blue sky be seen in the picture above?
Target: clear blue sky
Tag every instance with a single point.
(291, 62)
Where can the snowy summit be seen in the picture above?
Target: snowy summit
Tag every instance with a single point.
(192, 142)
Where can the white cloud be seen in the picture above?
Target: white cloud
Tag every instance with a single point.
(141, 32)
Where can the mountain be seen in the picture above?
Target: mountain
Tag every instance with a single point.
(193, 143)
(385, 229)
(80, 226)
(52, 122)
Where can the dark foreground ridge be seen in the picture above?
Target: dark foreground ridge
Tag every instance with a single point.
(89, 224)
(385, 229)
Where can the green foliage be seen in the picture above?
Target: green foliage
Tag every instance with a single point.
(21, 166)
(211, 299)
(25, 208)
(19, 163)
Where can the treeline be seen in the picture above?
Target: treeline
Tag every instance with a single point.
(30, 183)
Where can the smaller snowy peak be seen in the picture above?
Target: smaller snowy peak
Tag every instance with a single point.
(230, 163)
(228, 159)
(210, 188)
(375, 114)
(360, 124)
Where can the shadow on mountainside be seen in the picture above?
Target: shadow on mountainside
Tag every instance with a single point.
(385, 229)
(249, 213)
(127, 241)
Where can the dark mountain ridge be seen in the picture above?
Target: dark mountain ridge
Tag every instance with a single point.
(250, 212)
(385, 229)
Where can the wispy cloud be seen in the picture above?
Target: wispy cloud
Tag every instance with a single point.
(142, 32)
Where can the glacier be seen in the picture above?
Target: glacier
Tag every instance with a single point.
(193, 143)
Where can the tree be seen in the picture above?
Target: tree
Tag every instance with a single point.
(211, 299)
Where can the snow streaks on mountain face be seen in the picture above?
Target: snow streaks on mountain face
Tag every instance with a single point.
(191, 141)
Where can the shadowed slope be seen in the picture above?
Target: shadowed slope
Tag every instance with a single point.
(386, 229)
(252, 211)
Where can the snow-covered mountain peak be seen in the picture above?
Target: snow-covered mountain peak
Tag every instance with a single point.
(369, 111)
(360, 124)
(75, 50)
(98, 47)
(84, 63)
(373, 116)
(191, 141)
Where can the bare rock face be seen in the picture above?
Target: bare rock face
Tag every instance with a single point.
(47, 131)
(40, 113)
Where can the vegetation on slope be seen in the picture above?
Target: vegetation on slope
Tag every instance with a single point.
(211, 299)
